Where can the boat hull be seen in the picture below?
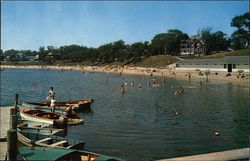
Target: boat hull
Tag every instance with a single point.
(43, 131)
(80, 106)
(36, 139)
(32, 118)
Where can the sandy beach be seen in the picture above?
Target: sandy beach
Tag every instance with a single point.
(164, 72)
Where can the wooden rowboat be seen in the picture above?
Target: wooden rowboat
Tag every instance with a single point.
(41, 153)
(47, 117)
(51, 141)
(43, 131)
(82, 105)
(74, 115)
(32, 124)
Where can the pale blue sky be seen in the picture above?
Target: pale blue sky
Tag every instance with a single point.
(31, 24)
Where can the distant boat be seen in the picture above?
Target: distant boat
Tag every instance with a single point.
(82, 105)
(46, 117)
(51, 141)
(41, 153)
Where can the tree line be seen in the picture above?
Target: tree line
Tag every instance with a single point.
(161, 44)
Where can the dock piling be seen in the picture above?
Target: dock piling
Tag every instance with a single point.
(65, 126)
(12, 145)
(13, 122)
(16, 100)
(13, 111)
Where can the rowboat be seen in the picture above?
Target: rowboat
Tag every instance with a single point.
(51, 141)
(32, 124)
(47, 117)
(41, 153)
(43, 131)
(75, 115)
(82, 105)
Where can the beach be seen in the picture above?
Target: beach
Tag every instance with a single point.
(164, 72)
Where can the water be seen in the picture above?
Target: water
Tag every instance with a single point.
(142, 124)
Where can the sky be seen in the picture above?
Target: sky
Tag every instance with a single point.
(31, 24)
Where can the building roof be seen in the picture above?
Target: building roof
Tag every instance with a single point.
(224, 60)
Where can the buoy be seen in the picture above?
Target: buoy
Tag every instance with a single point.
(216, 133)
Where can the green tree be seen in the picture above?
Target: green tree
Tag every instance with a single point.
(241, 37)
(214, 42)
(207, 37)
(221, 42)
(42, 53)
(11, 55)
(1, 55)
(138, 51)
(167, 42)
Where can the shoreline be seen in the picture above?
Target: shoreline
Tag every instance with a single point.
(163, 72)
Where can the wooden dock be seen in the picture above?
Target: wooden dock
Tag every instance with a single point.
(237, 154)
(4, 127)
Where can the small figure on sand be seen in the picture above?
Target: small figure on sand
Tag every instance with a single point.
(199, 73)
(189, 76)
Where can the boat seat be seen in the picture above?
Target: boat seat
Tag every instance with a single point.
(36, 126)
(59, 143)
(22, 125)
(43, 140)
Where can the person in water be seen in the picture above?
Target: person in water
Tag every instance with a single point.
(181, 90)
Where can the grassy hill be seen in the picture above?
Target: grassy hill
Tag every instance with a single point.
(156, 61)
(244, 52)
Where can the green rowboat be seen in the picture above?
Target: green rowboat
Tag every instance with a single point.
(39, 153)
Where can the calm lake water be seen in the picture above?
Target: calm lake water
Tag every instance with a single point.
(142, 124)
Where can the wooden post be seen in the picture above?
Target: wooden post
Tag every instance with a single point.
(13, 111)
(12, 145)
(65, 126)
(16, 100)
(13, 122)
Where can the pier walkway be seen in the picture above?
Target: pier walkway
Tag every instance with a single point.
(4, 127)
(237, 154)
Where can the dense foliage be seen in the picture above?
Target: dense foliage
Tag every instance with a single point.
(241, 37)
(161, 44)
